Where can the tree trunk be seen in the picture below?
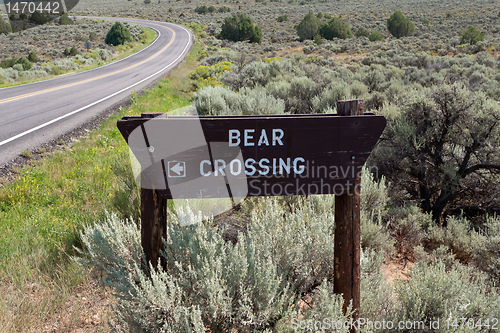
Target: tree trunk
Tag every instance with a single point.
(439, 206)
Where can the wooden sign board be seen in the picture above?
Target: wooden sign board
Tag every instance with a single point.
(210, 157)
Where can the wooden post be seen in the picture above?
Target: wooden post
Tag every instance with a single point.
(153, 216)
(347, 230)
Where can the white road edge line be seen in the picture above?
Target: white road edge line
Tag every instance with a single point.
(93, 69)
(99, 101)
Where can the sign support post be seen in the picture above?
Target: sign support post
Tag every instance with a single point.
(153, 216)
(347, 230)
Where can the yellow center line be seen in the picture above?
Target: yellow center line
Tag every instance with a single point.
(10, 99)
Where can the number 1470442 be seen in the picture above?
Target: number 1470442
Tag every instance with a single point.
(470, 323)
(24, 7)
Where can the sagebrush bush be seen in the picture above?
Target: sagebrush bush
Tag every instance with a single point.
(374, 228)
(239, 287)
(457, 236)
(377, 295)
(222, 101)
(326, 311)
(486, 247)
(433, 293)
(407, 227)
(207, 281)
(299, 242)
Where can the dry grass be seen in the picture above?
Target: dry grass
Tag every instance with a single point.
(43, 306)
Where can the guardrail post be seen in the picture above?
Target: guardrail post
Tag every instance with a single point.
(347, 230)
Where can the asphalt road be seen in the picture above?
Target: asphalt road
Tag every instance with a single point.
(34, 114)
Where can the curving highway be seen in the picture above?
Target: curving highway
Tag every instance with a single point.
(36, 113)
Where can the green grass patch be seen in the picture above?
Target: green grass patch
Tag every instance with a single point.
(121, 53)
(43, 210)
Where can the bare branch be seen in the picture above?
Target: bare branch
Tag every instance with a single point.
(494, 167)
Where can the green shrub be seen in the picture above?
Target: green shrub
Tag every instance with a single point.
(376, 36)
(299, 241)
(5, 27)
(56, 70)
(308, 27)
(38, 18)
(25, 63)
(374, 78)
(327, 100)
(32, 57)
(336, 28)
(240, 27)
(399, 25)
(8, 63)
(471, 36)
(65, 20)
(73, 51)
(118, 35)
(362, 32)
(201, 9)
(80, 38)
(282, 18)
(318, 40)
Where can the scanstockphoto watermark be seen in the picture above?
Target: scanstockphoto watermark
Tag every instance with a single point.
(363, 324)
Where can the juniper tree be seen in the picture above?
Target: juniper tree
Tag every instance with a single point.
(65, 20)
(240, 27)
(118, 34)
(308, 27)
(471, 36)
(399, 25)
(442, 146)
(336, 28)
